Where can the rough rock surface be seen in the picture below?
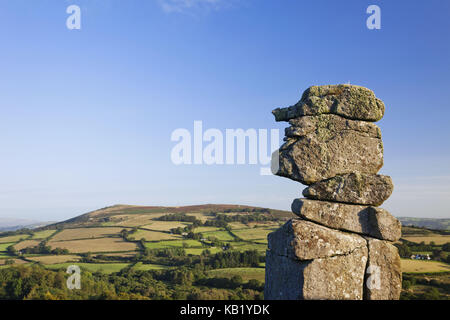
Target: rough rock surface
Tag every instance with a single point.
(350, 101)
(383, 275)
(375, 222)
(321, 150)
(304, 240)
(338, 277)
(331, 122)
(369, 189)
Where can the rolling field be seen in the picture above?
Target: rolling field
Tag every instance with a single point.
(85, 233)
(220, 235)
(245, 273)
(14, 238)
(164, 225)
(154, 235)
(43, 234)
(205, 229)
(99, 234)
(133, 220)
(253, 233)
(173, 244)
(26, 244)
(144, 267)
(94, 245)
(3, 246)
(54, 259)
(91, 267)
(423, 266)
(16, 261)
(198, 251)
(437, 239)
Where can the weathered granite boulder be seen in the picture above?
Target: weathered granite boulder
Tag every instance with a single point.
(357, 188)
(321, 149)
(331, 122)
(307, 261)
(350, 101)
(304, 240)
(372, 221)
(383, 275)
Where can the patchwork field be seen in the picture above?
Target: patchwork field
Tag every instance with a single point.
(219, 235)
(85, 233)
(94, 245)
(253, 233)
(174, 244)
(144, 267)
(16, 261)
(437, 239)
(154, 235)
(132, 220)
(54, 259)
(245, 273)
(14, 238)
(43, 234)
(92, 267)
(26, 244)
(3, 246)
(423, 266)
(165, 225)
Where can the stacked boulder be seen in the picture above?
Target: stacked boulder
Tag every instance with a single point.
(341, 246)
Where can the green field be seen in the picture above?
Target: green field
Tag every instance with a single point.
(219, 235)
(43, 234)
(15, 238)
(3, 246)
(91, 267)
(243, 246)
(253, 233)
(145, 267)
(245, 273)
(205, 229)
(173, 244)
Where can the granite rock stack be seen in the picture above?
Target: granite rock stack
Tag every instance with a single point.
(341, 246)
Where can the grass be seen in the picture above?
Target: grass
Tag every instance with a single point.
(43, 234)
(86, 233)
(26, 244)
(423, 266)
(16, 261)
(132, 220)
(173, 244)
(145, 267)
(154, 235)
(91, 267)
(438, 239)
(3, 246)
(245, 273)
(244, 246)
(54, 259)
(253, 233)
(220, 235)
(198, 251)
(15, 238)
(205, 229)
(94, 245)
(165, 225)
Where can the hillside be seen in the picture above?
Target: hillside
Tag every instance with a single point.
(203, 248)
(429, 223)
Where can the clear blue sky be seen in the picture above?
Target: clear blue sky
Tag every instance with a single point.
(86, 115)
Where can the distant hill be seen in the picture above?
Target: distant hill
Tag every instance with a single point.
(12, 224)
(429, 223)
(112, 213)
